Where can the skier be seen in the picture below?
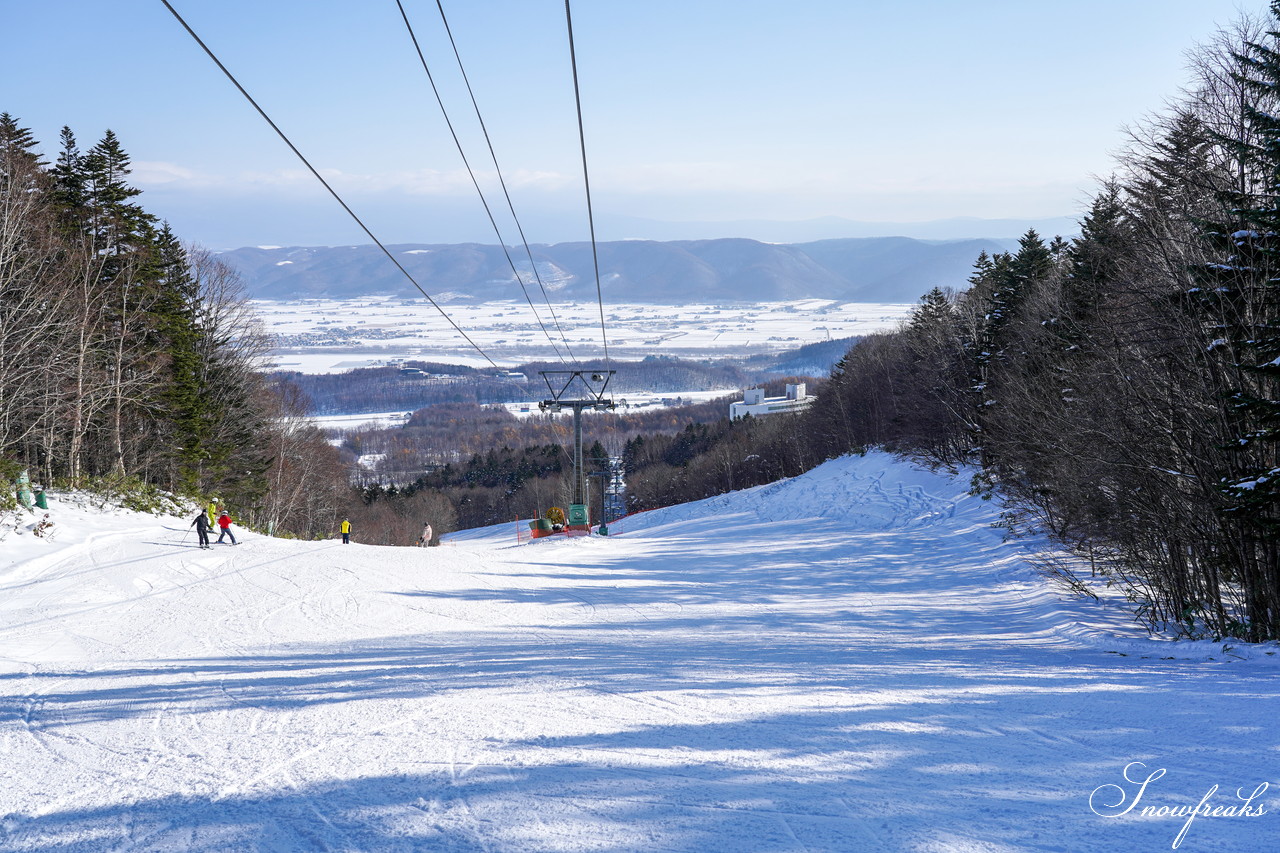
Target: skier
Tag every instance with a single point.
(346, 531)
(425, 539)
(201, 524)
(224, 522)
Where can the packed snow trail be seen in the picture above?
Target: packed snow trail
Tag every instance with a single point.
(852, 660)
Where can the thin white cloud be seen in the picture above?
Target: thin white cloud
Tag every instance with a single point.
(418, 182)
(157, 172)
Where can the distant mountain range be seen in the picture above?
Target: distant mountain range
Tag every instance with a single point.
(834, 228)
(869, 269)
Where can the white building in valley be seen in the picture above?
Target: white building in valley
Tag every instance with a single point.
(755, 403)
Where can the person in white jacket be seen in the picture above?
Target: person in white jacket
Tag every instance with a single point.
(425, 539)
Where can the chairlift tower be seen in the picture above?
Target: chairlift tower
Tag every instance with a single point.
(592, 386)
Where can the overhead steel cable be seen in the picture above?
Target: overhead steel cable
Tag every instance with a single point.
(502, 181)
(325, 183)
(586, 181)
(476, 183)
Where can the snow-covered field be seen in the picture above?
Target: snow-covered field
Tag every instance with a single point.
(852, 660)
(369, 420)
(330, 335)
(632, 402)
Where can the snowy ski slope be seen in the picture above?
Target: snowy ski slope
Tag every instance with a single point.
(852, 660)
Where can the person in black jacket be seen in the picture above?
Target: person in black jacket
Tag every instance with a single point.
(201, 524)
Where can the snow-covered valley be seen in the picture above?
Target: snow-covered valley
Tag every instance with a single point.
(333, 335)
(852, 660)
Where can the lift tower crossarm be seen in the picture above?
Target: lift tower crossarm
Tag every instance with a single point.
(594, 382)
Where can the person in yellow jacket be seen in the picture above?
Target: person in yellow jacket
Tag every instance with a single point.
(346, 531)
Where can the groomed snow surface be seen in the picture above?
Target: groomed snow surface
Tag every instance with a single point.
(852, 660)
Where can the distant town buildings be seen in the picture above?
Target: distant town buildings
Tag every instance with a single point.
(437, 378)
(756, 404)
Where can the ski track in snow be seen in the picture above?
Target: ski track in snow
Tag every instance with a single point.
(852, 660)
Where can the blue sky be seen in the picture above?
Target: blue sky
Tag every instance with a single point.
(701, 110)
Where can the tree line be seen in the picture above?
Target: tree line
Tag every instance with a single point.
(128, 359)
(449, 434)
(1121, 389)
(492, 466)
(385, 389)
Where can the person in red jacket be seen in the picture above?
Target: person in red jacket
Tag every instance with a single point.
(224, 523)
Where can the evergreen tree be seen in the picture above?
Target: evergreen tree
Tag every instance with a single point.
(69, 193)
(117, 224)
(633, 454)
(185, 397)
(1058, 248)
(1093, 260)
(938, 418)
(1009, 280)
(123, 236)
(983, 276)
(597, 457)
(1175, 189)
(1033, 261)
(23, 195)
(18, 157)
(934, 310)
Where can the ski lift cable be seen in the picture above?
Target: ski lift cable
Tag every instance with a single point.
(502, 181)
(476, 183)
(325, 183)
(586, 181)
